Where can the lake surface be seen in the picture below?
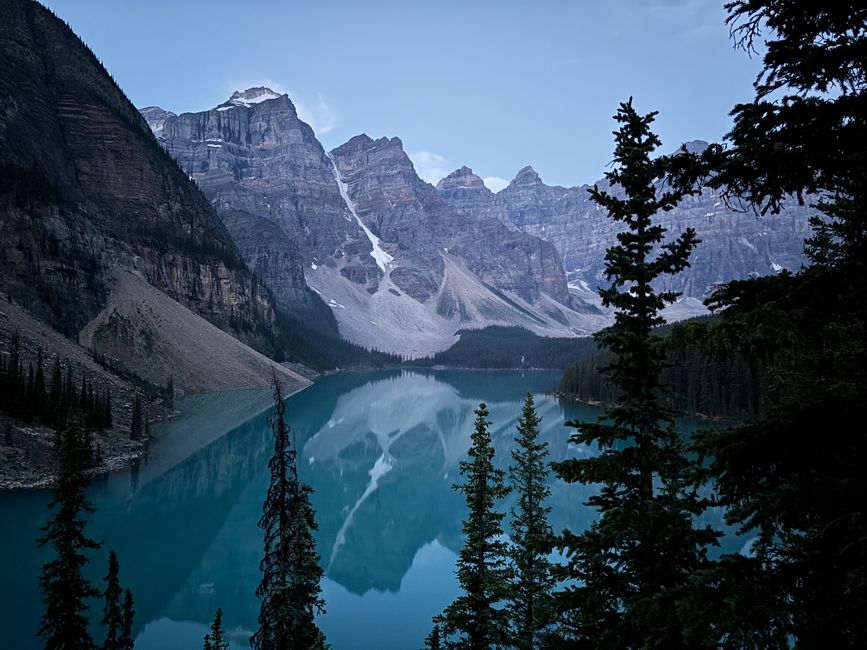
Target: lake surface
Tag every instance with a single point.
(381, 451)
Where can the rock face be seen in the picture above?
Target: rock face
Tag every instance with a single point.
(85, 188)
(735, 244)
(274, 187)
(401, 269)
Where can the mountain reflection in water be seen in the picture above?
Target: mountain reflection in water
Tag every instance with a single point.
(381, 451)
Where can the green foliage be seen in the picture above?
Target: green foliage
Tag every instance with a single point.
(64, 587)
(804, 134)
(477, 618)
(633, 566)
(290, 587)
(530, 604)
(27, 396)
(112, 617)
(136, 422)
(303, 342)
(701, 374)
(509, 347)
(432, 640)
(127, 615)
(214, 639)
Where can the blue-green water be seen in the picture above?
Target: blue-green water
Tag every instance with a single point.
(381, 451)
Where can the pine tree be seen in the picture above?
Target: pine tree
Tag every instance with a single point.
(530, 606)
(290, 587)
(477, 618)
(106, 415)
(214, 639)
(632, 566)
(135, 423)
(64, 588)
(170, 392)
(126, 641)
(112, 617)
(432, 640)
(803, 135)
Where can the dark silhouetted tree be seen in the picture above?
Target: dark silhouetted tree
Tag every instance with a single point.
(633, 566)
(477, 618)
(127, 615)
(65, 589)
(214, 638)
(136, 425)
(530, 606)
(803, 135)
(432, 640)
(112, 617)
(290, 587)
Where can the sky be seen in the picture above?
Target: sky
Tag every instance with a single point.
(491, 84)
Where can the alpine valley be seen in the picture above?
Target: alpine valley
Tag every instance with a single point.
(404, 265)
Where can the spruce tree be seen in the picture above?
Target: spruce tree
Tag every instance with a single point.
(170, 392)
(801, 137)
(432, 640)
(112, 617)
(127, 615)
(633, 565)
(291, 574)
(530, 605)
(214, 638)
(64, 587)
(477, 619)
(136, 429)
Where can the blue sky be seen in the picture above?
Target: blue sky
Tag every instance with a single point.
(494, 85)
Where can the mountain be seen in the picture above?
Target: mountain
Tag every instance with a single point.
(735, 243)
(357, 229)
(95, 217)
(403, 265)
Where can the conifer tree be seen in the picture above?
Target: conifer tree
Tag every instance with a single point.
(214, 638)
(170, 392)
(291, 574)
(127, 614)
(432, 640)
(634, 563)
(477, 619)
(801, 137)
(135, 425)
(112, 617)
(530, 605)
(64, 587)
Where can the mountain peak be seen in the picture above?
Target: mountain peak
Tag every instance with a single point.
(695, 146)
(250, 97)
(156, 118)
(462, 178)
(526, 176)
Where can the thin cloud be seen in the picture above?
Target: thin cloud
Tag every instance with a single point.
(495, 183)
(319, 114)
(430, 166)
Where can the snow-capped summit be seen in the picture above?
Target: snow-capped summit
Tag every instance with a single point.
(249, 97)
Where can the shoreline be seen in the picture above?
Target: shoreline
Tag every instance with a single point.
(117, 450)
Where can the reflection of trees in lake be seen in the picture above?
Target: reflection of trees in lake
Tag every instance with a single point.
(187, 538)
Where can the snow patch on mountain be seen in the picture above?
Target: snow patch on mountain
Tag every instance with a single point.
(381, 258)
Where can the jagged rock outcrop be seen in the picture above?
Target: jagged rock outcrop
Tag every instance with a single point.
(85, 189)
(274, 187)
(735, 244)
(403, 210)
(400, 269)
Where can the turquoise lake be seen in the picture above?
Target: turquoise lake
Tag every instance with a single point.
(381, 451)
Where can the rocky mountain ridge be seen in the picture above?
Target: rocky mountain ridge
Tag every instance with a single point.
(87, 195)
(736, 243)
(402, 264)
(400, 269)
